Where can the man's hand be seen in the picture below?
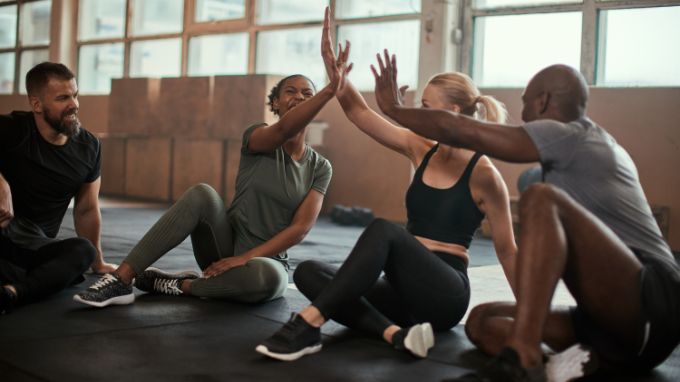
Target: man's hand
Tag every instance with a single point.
(102, 267)
(6, 208)
(387, 93)
(223, 265)
(337, 68)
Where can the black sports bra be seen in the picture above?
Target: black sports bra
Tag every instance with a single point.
(448, 215)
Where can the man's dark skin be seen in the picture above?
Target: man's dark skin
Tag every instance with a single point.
(559, 239)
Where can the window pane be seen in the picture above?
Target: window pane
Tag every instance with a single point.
(8, 26)
(156, 16)
(211, 10)
(286, 11)
(637, 47)
(512, 3)
(351, 9)
(29, 59)
(101, 19)
(97, 65)
(503, 56)
(218, 54)
(35, 23)
(6, 73)
(156, 58)
(401, 38)
(291, 51)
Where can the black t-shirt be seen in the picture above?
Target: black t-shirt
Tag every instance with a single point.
(43, 178)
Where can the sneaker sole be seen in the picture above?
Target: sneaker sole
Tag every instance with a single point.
(288, 356)
(120, 300)
(573, 363)
(419, 340)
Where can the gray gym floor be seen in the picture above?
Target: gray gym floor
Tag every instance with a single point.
(176, 338)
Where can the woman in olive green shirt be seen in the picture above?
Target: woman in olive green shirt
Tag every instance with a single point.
(241, 249)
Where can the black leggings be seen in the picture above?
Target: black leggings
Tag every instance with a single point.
(53, 267)
(418, 286)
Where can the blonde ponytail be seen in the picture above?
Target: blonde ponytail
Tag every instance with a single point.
(458, 89)
(491, 109)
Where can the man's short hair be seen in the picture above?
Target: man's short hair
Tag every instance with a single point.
(38, 77)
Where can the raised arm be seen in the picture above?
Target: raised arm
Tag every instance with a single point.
(303, 221)
(268, 138)
(508, 143)
(355, 107)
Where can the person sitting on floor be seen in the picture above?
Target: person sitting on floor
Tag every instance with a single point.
(47, 159)
(425, 284)
(241, 249)
(589, 225)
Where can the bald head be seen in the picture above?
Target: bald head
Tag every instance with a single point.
(562, 92)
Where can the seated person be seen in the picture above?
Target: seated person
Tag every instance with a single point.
(241, 249)
(46, 159)
(589, 225)
(425, 265)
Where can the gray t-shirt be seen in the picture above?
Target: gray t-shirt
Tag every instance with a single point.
(581, 158)
(269, 189)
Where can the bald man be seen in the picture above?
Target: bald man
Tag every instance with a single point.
(589, 225)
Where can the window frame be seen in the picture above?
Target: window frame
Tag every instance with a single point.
(590, 11)
(18, 48)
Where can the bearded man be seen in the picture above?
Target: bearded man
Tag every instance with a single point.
(47, 159)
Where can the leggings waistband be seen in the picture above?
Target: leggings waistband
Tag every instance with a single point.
(455, 262)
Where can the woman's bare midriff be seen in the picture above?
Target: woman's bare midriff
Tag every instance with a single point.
(450, 248)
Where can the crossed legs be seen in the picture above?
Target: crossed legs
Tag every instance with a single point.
(560, 239)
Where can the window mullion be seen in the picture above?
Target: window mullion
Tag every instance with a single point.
(589, 40)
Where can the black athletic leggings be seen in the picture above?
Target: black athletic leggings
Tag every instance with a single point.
(418, 286)
(53, 267)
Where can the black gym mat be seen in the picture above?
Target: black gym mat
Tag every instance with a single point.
(187, 339)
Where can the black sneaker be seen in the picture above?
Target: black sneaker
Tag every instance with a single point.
(108, 290)
(576, 362)
(295, 339)
(7, 300)
(505, 367)
(153, 280)
(417, 339)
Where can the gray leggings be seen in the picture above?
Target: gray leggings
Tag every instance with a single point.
(201, 213)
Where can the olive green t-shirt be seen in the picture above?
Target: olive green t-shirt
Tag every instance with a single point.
(269, 189)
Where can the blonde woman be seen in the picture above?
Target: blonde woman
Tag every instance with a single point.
(425, 286)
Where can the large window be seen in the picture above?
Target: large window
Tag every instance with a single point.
(612, 42)
(231, 37)
(19, 52)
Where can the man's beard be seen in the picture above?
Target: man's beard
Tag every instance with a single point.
(63, 125)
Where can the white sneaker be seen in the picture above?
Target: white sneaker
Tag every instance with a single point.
(575, 362)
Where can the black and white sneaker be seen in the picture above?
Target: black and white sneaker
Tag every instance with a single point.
(295, 339)
(418, 339)
(153, 280)
(576, 362)
(108, 290)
